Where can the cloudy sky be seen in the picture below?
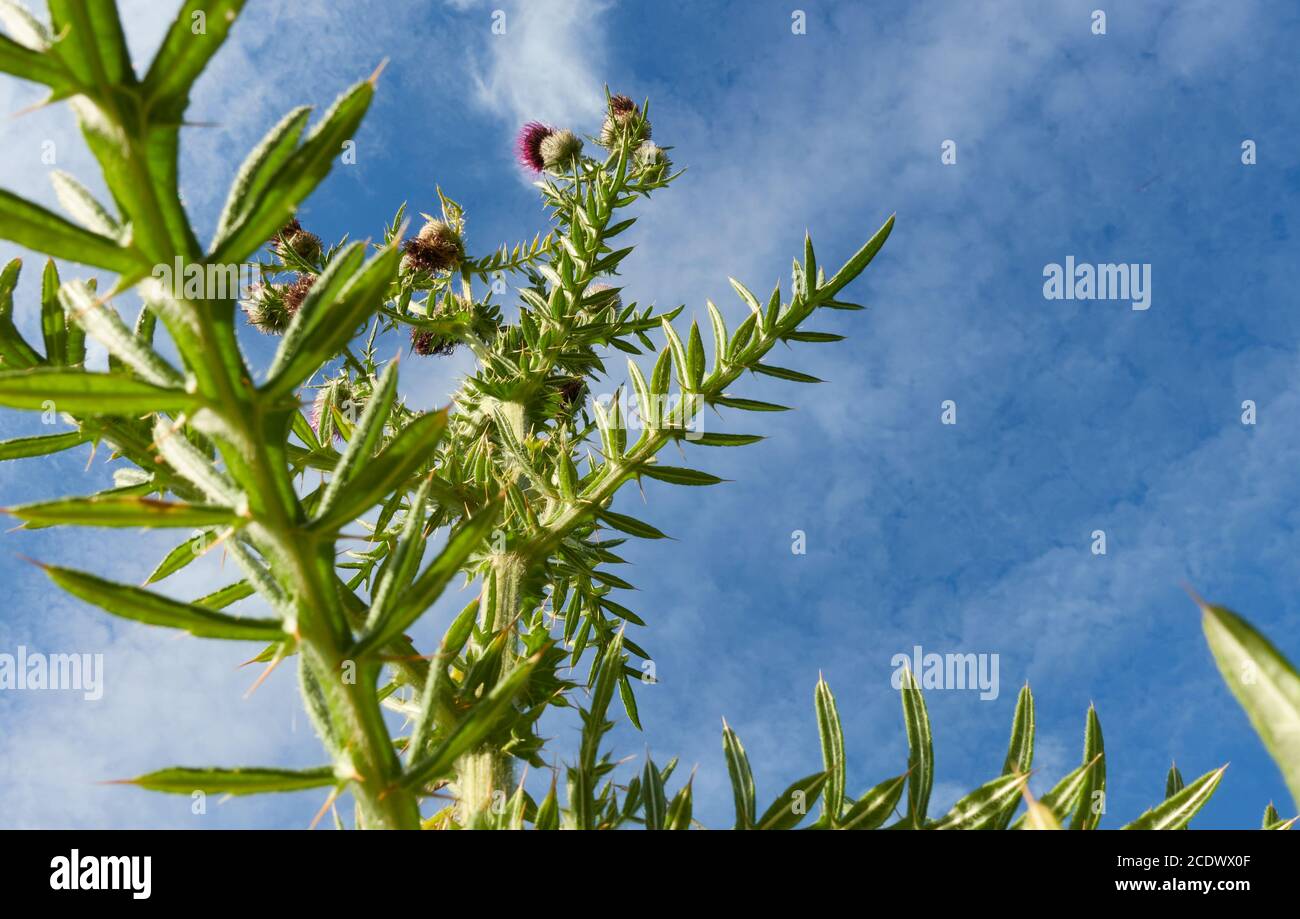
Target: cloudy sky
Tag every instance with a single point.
(1072, 416)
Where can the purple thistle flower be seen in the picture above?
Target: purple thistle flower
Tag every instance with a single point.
(529, 145)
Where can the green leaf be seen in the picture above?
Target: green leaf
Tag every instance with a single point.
(23, 447)
(742, 779)
(875, 806)
(453, 642)
(224, 596)
(81, 393)
(749, 405)
(432, 580)
(548, 812)
(182, 780)
(54, 324)
(1174, 782)
(654, 799)
(301, 172)
(1064, 796)
(103, 324)
(853, 267)
(92, 43)
(782, 373)
(679, 476)
(816, 337)
(178, 558)
(186, 50)
(983, 807)
(324, 323)
(1176, 812)
(259, 169)
(403, 560)
(35, 66)
(392, 468)
(708, 439)
(1264, 682)
(920, 750)
(141, 605)
(110, 510)
(365, 437)
(81, 205)
(33, 227)
(680, 809)
(1093, 795)
(1020, 750)
(791, 806)
(477, 724)
(831, 736)
(630, 525)
(15, 352)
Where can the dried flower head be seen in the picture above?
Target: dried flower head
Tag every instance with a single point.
(296, 293)
(623, 120)
(292, 237)
(427, 342)
(528, 146)
(560, 150)
(266, 309)
(571, 391)
(437, 247)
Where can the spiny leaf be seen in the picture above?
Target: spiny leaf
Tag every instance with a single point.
(1264, 682)
(23, 447)
(831, 736)
(791, 806)
(145, 606)
(390, 469)
(123, 511)
(875, 806)
(183, 780)
(920, 750)
(1175, 813)
(81, 393)
(1020, 750)
(742, 779)
(1092, 797)
(983, 807)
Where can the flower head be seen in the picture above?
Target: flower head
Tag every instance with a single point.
(560, 150)
(266, 309)
(653, 159)
(296, 293)
(529, 145)
(292, 237)
(623, 119)
(437, 247)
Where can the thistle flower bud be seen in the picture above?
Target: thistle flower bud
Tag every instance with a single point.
(560, 150)
(528, 145)
(266, 309)
(292, 237)
(623, 120)
(437, 247)
(653, 160)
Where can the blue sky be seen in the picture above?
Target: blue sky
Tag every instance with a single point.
(1072, 415)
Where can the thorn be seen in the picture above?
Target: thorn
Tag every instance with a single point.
(329, 803)
(373, 79)
(275, 662)
(40, 565)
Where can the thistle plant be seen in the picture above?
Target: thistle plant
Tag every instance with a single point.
(510, 487)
